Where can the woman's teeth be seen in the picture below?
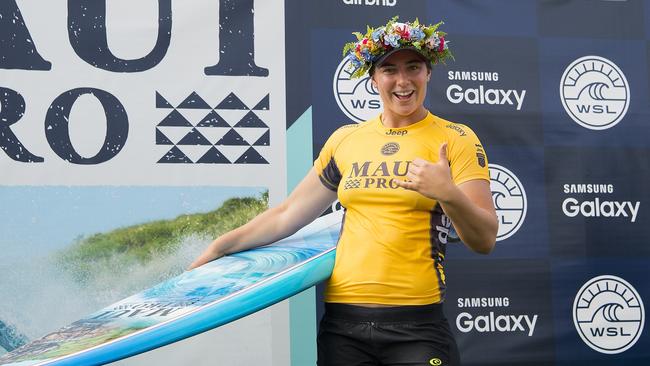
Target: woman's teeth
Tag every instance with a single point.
(403, 95)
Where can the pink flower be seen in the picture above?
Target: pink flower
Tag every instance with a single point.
(442, 44)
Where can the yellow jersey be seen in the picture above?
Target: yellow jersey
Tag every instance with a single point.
(392, 245)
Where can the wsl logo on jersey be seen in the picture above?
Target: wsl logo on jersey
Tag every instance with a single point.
(608, 314)
(595, 92)
(357, 98)
(509, 200)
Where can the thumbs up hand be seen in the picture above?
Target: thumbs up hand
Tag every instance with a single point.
(432, 180)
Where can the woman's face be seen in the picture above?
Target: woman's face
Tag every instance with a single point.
(402, 83)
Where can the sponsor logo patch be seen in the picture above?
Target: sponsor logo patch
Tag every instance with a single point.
(390, 148)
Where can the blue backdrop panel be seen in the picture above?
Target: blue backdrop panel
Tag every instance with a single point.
(576, 139)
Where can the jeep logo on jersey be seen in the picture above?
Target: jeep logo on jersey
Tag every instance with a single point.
(357, 98)
(608, 314)
(509, 200)
(594, 92)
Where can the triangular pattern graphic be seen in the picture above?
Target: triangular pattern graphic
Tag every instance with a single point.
(194, 152)
(232, 138)
(251, 156)
(250, 134)
(175, 119)
(231, 102)
(213, 156)
(213, 134)
(175, 156)
(213, 119)
(161, 139)
(232, 152)
(251, 120)
(194, 137)
(194, 101)
(263, 105)
(264, 140)
(162, 102)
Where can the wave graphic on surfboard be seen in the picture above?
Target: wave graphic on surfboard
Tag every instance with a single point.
(193, 302)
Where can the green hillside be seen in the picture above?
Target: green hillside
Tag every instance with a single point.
(143, 242)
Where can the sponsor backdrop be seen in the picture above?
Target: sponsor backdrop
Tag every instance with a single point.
(120, 115)
(558, 93)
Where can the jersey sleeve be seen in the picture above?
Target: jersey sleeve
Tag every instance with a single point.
(325, 164)
(467, 157)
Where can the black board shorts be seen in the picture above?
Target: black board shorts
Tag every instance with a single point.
(352, 335)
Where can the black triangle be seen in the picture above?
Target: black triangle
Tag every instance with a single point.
(213, 119)
(161, 139)
(263, 105)
(231, 102)
(175, 156)
(232, 138)
(251, 156)
(194, 137)
(251, 120)
(213, 156)
(264, 140)
(162, 102)
(175, 119)
(194, 101)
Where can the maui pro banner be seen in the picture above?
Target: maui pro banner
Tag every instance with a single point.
(117, 92)
(150, 126)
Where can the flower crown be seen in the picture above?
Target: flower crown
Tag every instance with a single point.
(369, 48)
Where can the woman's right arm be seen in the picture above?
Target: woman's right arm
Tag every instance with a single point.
(307, 201)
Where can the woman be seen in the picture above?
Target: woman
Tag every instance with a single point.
(403, 178)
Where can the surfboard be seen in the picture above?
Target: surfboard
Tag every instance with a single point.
(193, 302)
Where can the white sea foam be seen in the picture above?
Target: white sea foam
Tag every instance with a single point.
(37, 296)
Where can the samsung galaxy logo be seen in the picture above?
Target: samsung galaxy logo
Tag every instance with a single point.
(482, 95)
(588, 188)
(473, 75)
(483, 302)
(456, 128)
(597, 208)
(493, 323)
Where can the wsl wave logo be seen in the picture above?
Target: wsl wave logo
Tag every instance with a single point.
(509, 199)
(595, 92)
(608, 314)
(357, 98)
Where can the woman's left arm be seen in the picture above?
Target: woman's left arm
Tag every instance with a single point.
(468, 205)
(470, 208)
